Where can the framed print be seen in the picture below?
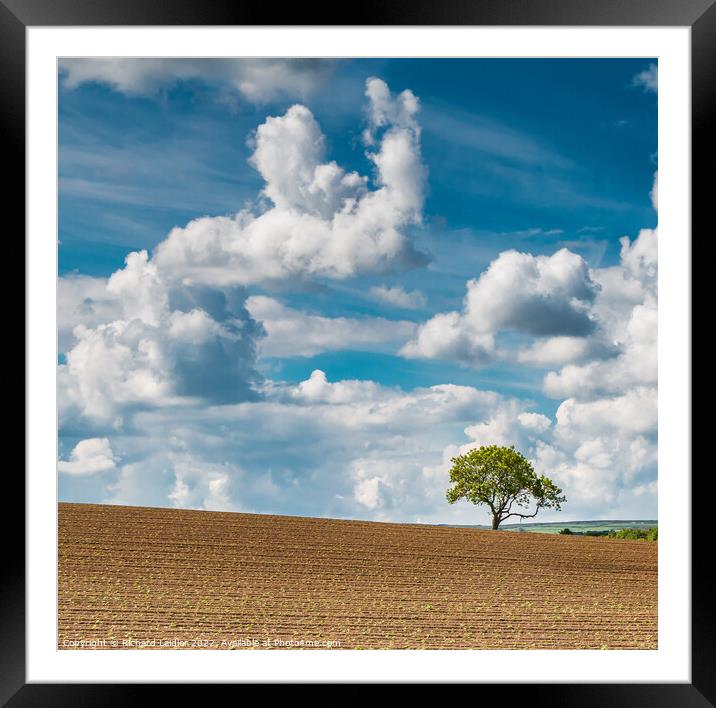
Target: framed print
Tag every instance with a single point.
(351, 354)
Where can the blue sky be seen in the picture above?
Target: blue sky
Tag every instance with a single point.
(475, 286)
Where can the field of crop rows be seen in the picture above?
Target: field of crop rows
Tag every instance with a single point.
(164, 578)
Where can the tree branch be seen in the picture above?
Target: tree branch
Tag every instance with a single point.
(523, 516)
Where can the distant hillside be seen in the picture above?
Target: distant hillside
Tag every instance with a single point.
(574, 526)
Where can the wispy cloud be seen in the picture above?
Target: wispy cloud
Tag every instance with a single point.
(540, 188)
(470, 131)
(648, 79)
(256, 80)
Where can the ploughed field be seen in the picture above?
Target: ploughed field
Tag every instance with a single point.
(165, 578)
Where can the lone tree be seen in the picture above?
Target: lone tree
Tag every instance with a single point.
(501, 478)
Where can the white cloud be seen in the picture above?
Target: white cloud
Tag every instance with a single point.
(534, 421)
(639, 258)
(139, 289)
(112, 366)
(373, 405)
(632, 412)
(626, 310)
(602, 446)
(317, 389)
(201, 485)
(174, 328)
(602, 453)
(193, 327)
(648, 79)
(289, 154)
(398, 297)
(357, 449)
(367, 492)
(82, 299)
(636, 364)
(449, 336)
(556, 351)
(89, 457)
(292, 332)
(162, 346)
(508, 424)
(257, 80)
(385, 110)
(536, 295)
(342, 448)
(654, 194)
(324, 222)
(605, 467)
(539, 295)
(165, 473)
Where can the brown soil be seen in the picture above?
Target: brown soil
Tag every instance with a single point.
(167, 578)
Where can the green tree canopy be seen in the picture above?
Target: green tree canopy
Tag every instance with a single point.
(502, 479)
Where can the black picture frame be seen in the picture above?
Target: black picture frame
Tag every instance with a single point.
(699, 15)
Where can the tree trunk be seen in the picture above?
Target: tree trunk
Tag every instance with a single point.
(495, 522)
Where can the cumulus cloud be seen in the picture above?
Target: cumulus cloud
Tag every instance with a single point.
(89, 457)
(604, 451)
(555, 351)
(599, 324)
(256, 80)
(397, 297)
(312, 448)
(290, 156)
(639, 258)
(450, 336)
(604, 445)
(601, 452)
(357, 449)
(535, 295)
(367, 492)
(601, 446)
(374, 405)
(324, 222)
(635, 365)
(198, 485)
(384, 109)
(291, 332)
(139, 289)
(82, 299)
(111, 366)
(626, 309)
(538, 295)
(648, 79)
(317, 389)
(174, 328)
(634, 411)
(604, 442)
(509, 423)
(654, 194)
(165, 345)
